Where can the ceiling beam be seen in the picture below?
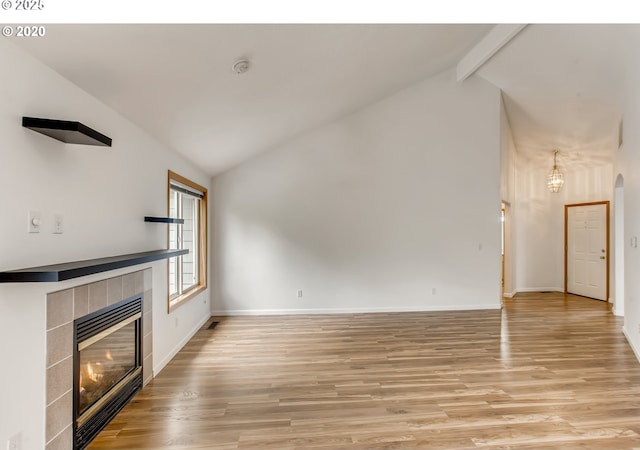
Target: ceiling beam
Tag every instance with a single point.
(497, 38)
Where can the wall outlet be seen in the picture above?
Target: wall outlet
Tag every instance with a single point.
(299, 293)
(14, 442)
(433, 291)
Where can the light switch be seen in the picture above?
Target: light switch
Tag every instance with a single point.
(34, 221)
(57, 224)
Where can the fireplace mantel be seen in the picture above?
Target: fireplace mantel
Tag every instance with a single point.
(76, 269)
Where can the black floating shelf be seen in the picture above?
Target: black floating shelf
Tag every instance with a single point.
(163, 219)
(67, 131)
(76, 269)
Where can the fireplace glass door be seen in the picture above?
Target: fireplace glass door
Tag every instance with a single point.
(107, 366)
(104, 362)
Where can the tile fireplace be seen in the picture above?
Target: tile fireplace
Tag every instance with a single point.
(104, 358)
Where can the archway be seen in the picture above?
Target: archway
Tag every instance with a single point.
(507, 273)
(619, 246)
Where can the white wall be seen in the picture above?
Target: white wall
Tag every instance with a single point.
(371, 212)
(539, 218)
(627, 163)
(104, 193)
(507, 158)
(508, 195)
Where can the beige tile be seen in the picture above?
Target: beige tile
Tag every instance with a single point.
(64, 441)
(58, 416)
(128, 285)
(139, 282)
(114, 290)
(147, 279)
(59, 379)
(97, 296)
(59, 308)
(80, 301)
(147, 323)
(59, 344)
(147, 369)
(147, 345)
(147, 301)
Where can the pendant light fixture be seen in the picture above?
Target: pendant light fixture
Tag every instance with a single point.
(555, 179)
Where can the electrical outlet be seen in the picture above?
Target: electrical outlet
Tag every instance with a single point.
(14, 442)
(433, 291)
(299, 293)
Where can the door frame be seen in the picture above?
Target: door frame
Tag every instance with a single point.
(566, 240)
(507, 266)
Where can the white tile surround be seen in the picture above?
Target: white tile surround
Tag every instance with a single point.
(63, 307)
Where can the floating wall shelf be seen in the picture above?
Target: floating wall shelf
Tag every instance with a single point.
(76, 269)
(67, 131)
(163, 219)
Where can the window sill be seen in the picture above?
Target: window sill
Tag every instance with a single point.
(184, 298)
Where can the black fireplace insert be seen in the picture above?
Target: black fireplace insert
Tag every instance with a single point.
(107, 366)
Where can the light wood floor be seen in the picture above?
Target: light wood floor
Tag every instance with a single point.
(548, 371)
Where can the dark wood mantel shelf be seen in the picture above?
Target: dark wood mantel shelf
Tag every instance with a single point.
(76, 269)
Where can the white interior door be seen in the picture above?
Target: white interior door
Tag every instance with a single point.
(587, 258)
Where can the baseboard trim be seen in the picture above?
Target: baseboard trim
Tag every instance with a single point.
(635, 351)
(285, 312)
(158, 367)
(540, 289)
(509, 294)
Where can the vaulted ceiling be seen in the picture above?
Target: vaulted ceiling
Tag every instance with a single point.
(563, 88)
(560, 82)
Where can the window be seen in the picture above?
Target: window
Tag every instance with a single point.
(187, 273)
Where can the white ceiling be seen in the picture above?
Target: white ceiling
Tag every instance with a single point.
(176, 82)
(560, 82)
(562, 87)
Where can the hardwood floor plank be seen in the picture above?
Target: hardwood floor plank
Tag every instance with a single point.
(548, 371)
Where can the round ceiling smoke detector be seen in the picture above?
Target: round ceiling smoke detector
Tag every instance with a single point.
(240, 66)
